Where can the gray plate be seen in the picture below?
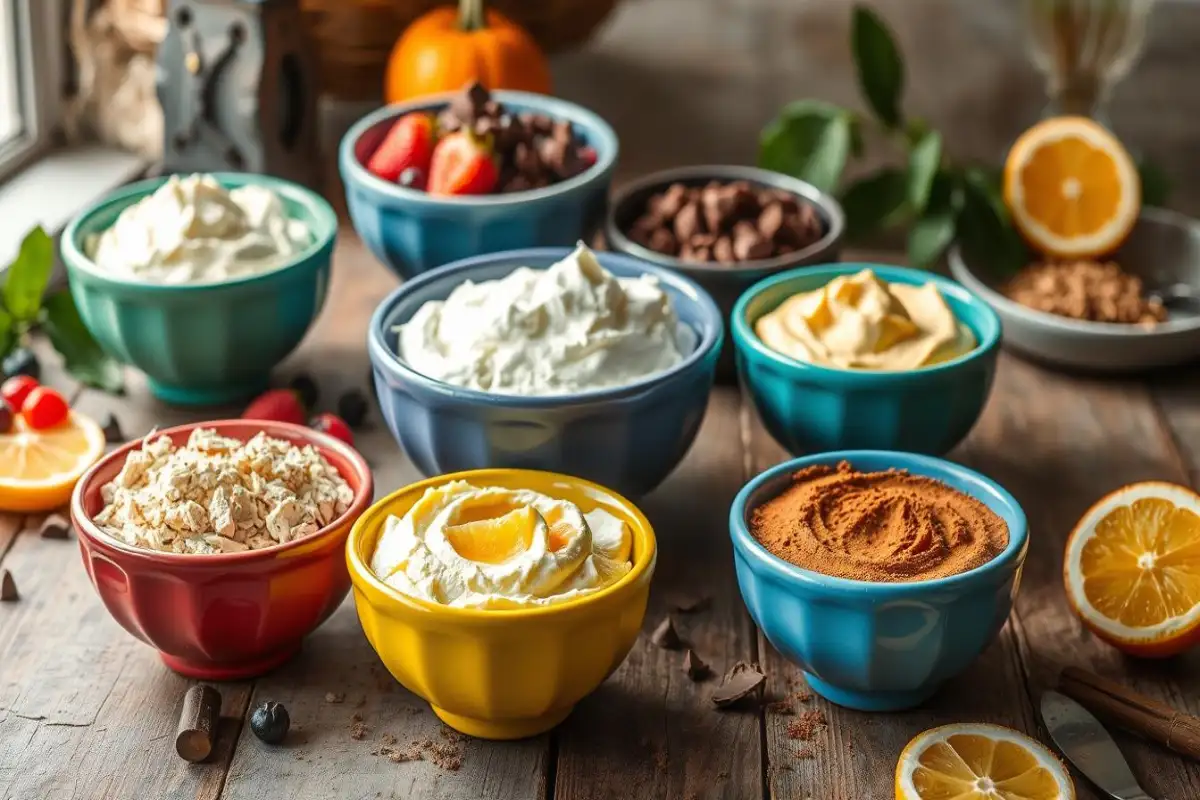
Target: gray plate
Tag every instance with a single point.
(1163, 249)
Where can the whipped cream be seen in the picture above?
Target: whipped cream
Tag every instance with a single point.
(194, 230)
(569, 328)
(494, 548)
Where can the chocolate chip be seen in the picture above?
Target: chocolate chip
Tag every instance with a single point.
(55, 526)
(468, 104)
(8, 587)
(742, 681)
(112, 430)
(691, 604)
(665, 635)
(687, 222)
(695, 667)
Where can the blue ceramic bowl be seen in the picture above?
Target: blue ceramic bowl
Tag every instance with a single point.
(877, 646)
(412, 232)
(810, 408)
(627, 438)
(203, 343)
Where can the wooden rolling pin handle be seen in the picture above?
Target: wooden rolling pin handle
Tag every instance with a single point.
(1115, 703)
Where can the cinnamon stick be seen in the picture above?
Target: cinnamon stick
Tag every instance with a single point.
(1122, 706)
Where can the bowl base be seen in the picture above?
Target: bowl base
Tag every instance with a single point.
(207, 671)
(868, 701)
(519, 728)
(206, 396)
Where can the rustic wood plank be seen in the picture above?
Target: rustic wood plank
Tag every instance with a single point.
(1059, 443)
(649, 731)
(854, 755)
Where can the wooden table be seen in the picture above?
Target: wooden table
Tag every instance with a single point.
(88, 712)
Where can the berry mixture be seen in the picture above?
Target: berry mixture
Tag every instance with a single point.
(475, 146)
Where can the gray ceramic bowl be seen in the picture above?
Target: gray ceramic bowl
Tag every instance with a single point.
(1163, 249)
(724, 282)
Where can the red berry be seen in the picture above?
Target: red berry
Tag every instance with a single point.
(461, 165)
(333, 425)
(408, 143)
(6, 417)
(588, 156)
(16, 389)
(45, 408)
(277, 405)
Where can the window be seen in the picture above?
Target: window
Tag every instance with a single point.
(30, 49)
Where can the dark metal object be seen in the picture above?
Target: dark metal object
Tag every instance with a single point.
(1087, 744)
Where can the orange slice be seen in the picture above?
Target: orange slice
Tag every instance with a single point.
(1071, 187)
(494, 540)
(1132, 568)
(977, 761)
(38, 469)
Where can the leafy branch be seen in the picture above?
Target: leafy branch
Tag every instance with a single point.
(25, 307)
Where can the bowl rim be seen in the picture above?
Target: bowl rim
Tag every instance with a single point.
(745, 337)
(323, 236)
(360, 571)
(353, 171)
(1099, 330)
(384, 357)
(928, 466)
(323, 442)
(826, 203)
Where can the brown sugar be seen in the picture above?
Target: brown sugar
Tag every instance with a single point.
(807, 725)
(1088, 290)
(883, 527)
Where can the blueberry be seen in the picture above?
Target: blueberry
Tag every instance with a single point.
(304, 385)
(21, 361)
(270, 722)
(352, 408)
(413, 178)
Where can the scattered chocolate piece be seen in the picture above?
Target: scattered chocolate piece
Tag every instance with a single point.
(695, 667)
(8, 587)
(112, 430)
(665, 635)
(197, 728)
(742, 681)
(331, 697)
(352, 407)
(691, 604)
(270, 722)
(54, 526)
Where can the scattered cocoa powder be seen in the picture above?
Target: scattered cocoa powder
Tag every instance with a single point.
(806, 725)
(1088, 290)
(781, 707)
(804, 752)
(877, 526)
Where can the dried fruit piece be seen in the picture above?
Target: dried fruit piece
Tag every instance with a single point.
(742, 681)
(270, 722)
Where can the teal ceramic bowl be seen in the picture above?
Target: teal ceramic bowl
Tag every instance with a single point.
(811, 409)
(203, 343)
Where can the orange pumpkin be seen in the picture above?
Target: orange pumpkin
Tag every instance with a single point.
(445, 49)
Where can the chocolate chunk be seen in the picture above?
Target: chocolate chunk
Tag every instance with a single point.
(468, 104)
(661, 240)
(197, 729)
(526, 160)
(742, 681)
(537, 123)
(8, 587)
(748, 243)
(490, 109)
(691, 604)
(770, 220)
(665, 635)
(508, 131)
(695, 667)
(55, 526)
(687, 222)
(718, 207)
(666, 205)
(112, 430)
(723, 251)
(448, 121)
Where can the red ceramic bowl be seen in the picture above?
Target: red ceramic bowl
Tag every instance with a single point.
(229, 615)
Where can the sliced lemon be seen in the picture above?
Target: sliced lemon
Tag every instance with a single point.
(39, 468)
(978, 761)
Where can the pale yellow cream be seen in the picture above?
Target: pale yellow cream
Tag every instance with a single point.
(861, 322)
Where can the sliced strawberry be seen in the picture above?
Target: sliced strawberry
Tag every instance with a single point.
(333, 425)
(462, 165)
(409, 143)
(277, 405)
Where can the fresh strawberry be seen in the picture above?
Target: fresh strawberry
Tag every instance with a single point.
(16, 389)
(409, 143)
(333, 425)
(461, 165)
(277, 405)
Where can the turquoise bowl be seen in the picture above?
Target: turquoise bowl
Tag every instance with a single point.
(203, 343)
(811, 409)
(877, 646)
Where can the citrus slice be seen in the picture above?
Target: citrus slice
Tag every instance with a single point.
(493, 539)
(39, 468)
(1132, 568)
(977, 761)
(1072, 189)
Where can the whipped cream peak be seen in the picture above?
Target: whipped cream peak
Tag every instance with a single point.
(571, 327)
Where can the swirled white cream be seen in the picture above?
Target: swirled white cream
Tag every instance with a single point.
(194, 230)
(494, 548)
(569, 328)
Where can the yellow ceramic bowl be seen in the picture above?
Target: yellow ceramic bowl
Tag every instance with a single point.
(503, 674)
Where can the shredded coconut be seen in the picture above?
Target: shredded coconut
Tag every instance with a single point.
(220, 495)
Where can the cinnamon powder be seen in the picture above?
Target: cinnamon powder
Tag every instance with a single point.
(882, 527)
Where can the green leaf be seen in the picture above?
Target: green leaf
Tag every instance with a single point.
(1156, 185)
(929, 237)
(858, 147)
(8, 333)
(880, 66)
(985, 232)
(871, 201)
(809, 140)
(28, 275)
(923, 162)
(82, 356)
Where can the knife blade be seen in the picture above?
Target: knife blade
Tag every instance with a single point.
(1083, 740)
